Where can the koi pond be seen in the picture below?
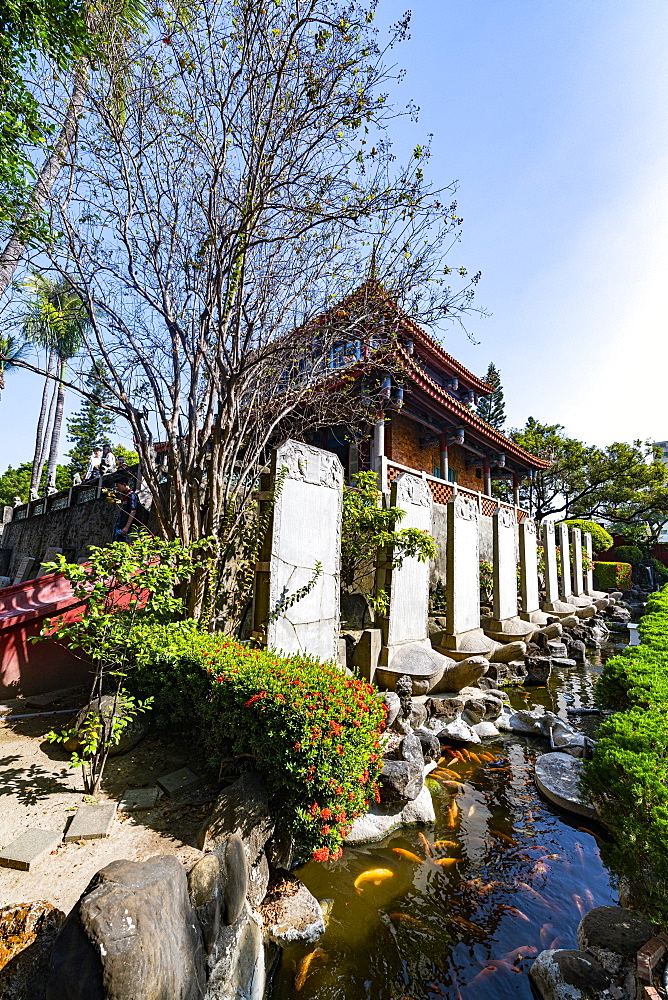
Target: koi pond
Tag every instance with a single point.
(459, 909)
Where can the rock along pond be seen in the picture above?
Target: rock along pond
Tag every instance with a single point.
(524, 873)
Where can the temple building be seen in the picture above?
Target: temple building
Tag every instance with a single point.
(426, 418)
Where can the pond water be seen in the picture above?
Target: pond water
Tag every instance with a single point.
(523, 875)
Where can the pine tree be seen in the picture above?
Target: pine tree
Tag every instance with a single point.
(91, 425)
(492, 408)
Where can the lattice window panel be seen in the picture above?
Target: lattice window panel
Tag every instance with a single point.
(489, 506)
(441, 492)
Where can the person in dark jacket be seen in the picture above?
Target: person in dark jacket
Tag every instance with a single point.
(128, 512)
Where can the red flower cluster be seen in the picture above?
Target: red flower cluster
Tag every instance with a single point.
(322, 854)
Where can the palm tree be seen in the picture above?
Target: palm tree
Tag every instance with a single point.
(11, 350)
(57, 320)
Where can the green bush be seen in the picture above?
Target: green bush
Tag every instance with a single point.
(659, 568)
(613, 575)
(601, 540)
(626, 553)
(310, 730)
(629, 772)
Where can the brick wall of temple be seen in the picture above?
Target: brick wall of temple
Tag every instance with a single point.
(402, 445)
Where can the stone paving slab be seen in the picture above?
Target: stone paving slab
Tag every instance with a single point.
(558, 778)
(50, 697)
(91, 822)
(179, 781)
(23, 852)
(135, 799)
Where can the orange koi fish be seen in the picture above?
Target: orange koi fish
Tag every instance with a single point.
(407, 918)
(582, 909)
(305, 965)
(503, 836)
(453, 786)
(515, 912)
(517, 954)
(597, 838)
(503, 965)
(590, 899)
(375, 875)
(553, 945)
(447, 771)
(467, 924)
(537, 895)
(483, 976)
(446, 843)
(546, 934)
(446, 862)
(425, 843)
(405, 854)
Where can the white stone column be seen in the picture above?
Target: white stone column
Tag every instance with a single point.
(566, 587)
(528, 568)
(463, 636)
(578, 579)
(550, 557)
(505, 567)
(463, 569)
(409, 589)
(378, 443)
(589, 572)
(306, 529)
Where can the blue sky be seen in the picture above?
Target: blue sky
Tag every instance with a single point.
(552, 115)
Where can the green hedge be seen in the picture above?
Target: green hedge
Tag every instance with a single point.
(613, 575)
(626, 553)
(601, 540)
(312, 731)
(629, 772)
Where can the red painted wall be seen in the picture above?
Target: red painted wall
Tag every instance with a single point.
(32, 668)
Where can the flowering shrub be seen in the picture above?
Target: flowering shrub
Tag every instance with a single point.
(613, 575)
(312, 730)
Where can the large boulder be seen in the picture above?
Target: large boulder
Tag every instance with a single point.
(569, 975)
(401, 780)
(243, 809)
(382, 819)
(290, 913)
(108, 709)
(538, 670)
(27, 933)
(239, 973)
(614, 935)
(133, 935)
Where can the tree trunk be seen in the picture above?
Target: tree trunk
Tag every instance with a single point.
(18, 241)
(57, 424)
(39, 436)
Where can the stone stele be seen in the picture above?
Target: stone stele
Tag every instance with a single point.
(306, 531)
(463, 636)
(505, 625)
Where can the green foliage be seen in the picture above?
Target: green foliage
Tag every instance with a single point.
(54, 29)
(625, 483)
(311, 731)
(659, 568)
(629, 772)
(16, 482)
(91, 425)
(487, 578)
(101, 729)
(626, 553)
(613, 575)
(492, 408)
(369, 527)
(55, 317)
(120, 587)
(601, 540)
(12, 349)
(120, 451)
